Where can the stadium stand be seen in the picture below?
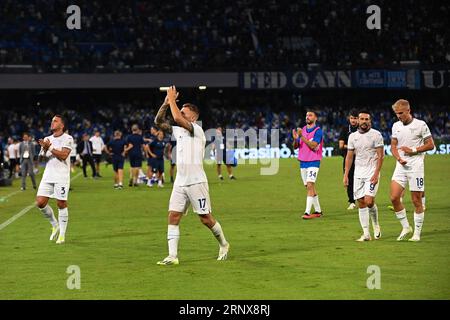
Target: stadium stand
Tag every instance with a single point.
(124, 36)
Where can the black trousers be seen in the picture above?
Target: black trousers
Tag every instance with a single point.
(12, 167)
(351, 175)
(88, 159)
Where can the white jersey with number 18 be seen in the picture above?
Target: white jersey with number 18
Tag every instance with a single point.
(412, 135)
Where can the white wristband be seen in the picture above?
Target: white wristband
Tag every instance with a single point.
(414, 150)
(50, 148)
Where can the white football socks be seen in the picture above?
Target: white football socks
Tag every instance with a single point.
(316, 203)
(374, 215)
(63, 217)
(173, 236)
(401, 216)
(364, 220)
(47, 211)
(309, 203)
(218, 233)
(418, 222)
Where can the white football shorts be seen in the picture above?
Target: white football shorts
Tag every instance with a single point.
(362, 187)
(415, 179)
(59, 191)
(309, 174)
(196, 195)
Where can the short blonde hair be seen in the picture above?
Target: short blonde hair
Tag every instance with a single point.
(400, 103)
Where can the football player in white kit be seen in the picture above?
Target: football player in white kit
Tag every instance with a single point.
(191, 185)
(410, 139)
(55, 181)
(367, 144)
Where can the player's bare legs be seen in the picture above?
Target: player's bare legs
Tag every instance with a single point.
(230, 172)
(215, 227)
(416, 198)
(47, 211)
(134, 174)
(150, 176)
(396, 196)
(120, 177)
(399, 209)
(159, 176)
(173, 236)
(219, 171)
(311, 189)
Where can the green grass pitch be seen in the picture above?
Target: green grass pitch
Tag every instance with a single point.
(116, 238)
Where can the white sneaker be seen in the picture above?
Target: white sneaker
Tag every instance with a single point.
(160, 185)
(223, 252)
(55, 231)
(364, 238)
(415, 238)
(377, 232)
(352, 206)
(404, 233)
(61, 240)
(168, 261)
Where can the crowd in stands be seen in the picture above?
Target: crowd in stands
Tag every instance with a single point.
(122, 116)
(218, 35)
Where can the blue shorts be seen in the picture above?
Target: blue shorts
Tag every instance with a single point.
(117, 163)
(135, 161)
(158, 165)
(151, 162)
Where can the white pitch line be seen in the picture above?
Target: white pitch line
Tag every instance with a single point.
(16, 216)
(25, 210)
(10, 195)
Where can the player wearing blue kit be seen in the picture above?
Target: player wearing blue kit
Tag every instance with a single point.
(149, 139)
(309, 141)
(116, 148)
(134, 148)
(157, 148)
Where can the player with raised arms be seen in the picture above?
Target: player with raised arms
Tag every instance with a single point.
(191, 185)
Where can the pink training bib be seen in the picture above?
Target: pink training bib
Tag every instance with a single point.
(304, 152)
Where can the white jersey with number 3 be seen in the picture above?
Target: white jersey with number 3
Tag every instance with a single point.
(412, 135)
(58, 171)
(190, 154)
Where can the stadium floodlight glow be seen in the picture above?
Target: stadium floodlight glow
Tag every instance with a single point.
(202, 87)
(163, 88)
